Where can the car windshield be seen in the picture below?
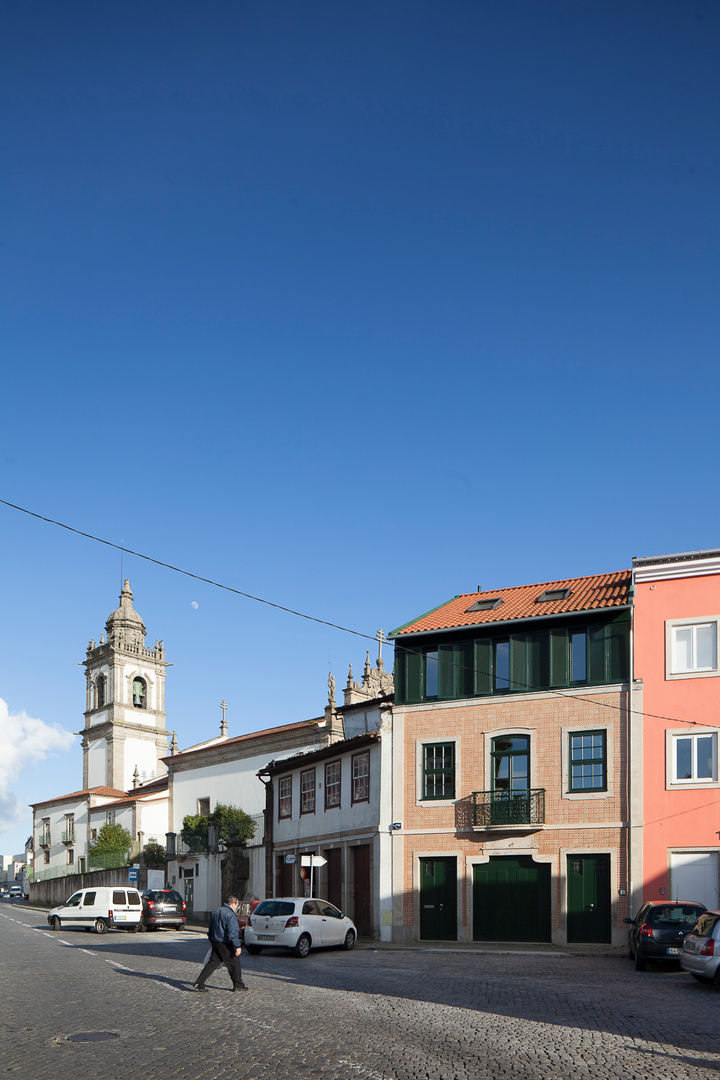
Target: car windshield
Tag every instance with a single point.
(275, 907)
(675, 915)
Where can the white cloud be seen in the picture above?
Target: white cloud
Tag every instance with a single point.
(23, 742)
(194, 604)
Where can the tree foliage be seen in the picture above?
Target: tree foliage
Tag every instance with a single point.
(154, 854)
(111, 838)
(232, 823)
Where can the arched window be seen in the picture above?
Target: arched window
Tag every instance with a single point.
(100, 691)
(139, 693)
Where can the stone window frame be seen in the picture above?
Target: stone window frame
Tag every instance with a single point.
(420, 745)
(579, 729)
(285, 799)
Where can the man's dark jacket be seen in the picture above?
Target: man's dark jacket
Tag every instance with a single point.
(224, 927)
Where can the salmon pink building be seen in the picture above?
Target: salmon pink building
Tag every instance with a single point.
(676, 719)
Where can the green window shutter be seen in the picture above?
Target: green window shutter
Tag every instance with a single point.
(413, 676)
(464, 660)
(558, 658)
(596, 653)
(483, 666)
(518, 663)
(618, 648)
(538, 675)
(448, 656)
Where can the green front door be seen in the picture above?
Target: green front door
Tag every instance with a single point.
(511, 900)
(438, 899)
(588, 898)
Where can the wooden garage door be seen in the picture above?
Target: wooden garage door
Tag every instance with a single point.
(511, 900)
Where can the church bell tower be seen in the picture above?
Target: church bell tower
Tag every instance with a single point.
(125, 721)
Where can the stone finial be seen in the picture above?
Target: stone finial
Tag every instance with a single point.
(366, 673)
(223, 722)
(174, 743)
(350, 679)
(331, 689)
(136, 777)
(102, 639)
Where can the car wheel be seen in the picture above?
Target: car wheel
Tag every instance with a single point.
(100, 926)
(180, 926)
(349, 942)
(716, 978)
(54, 923)
(133, 929)
(700, 978)
(640, 962)
(253, 949)
(302, 948)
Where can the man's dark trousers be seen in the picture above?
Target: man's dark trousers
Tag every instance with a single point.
(221, 954)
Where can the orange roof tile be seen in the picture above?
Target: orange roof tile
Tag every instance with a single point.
(597, 591)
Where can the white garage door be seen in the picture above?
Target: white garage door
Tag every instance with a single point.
(694, 876)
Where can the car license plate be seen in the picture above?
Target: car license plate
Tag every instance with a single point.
(671, 951)
(266, 937)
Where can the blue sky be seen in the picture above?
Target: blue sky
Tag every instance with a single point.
(351, 307)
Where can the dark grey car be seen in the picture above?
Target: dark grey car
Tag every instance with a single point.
(658, 930)
(163, 907)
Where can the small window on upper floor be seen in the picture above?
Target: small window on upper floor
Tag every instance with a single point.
(139, 693)
(692, 648)
(203, 806)
(100, 691)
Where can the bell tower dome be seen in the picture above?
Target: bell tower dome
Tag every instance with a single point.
(125, 721)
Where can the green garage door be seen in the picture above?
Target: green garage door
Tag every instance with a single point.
(588, 898)
(511, 900)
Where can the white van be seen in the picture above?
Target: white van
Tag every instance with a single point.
(99, 909)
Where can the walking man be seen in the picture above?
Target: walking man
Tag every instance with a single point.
(224, 937)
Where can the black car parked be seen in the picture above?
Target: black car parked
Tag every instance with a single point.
(163, 907)
(659, 928)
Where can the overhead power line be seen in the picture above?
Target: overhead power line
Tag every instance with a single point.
(319, 621)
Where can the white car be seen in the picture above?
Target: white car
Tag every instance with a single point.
(700, 953)
(99, 909)
(298, 923)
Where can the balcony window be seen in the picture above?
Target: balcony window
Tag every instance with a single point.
(332, 784)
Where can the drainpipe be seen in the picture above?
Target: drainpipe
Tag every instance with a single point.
(269, 876)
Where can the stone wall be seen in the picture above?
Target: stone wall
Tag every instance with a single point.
(57, 890)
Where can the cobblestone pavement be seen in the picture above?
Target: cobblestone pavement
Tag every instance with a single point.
(373, 1014)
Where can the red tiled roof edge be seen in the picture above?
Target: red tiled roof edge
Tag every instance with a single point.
(523, 603)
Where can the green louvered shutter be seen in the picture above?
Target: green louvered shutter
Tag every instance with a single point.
(618, 647)
(518, 664)
(596, 652)
(538, 676)
(448, 671)
(483, 665)
(558, 658)
(413, 675)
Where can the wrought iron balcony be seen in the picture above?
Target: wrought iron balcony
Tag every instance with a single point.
(44, 840)
(508, 809)
(68, 837)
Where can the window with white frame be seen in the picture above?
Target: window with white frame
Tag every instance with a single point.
(307, 792)
(332, 784)
(285, 797)
(361, 777)
(694, 758)
(692, 647)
